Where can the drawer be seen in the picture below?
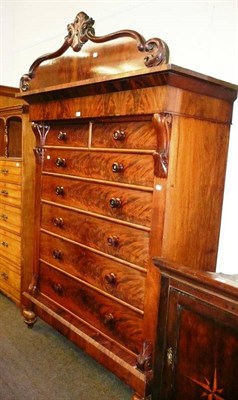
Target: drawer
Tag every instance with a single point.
(75, 135)
(10, 246)
(125, 204)
(10, 194)
(9, 275)
(10, 218)
(125, 135)
(112, 277)
(10, 171)
(120, 241)
(121, 167)
(110, 317)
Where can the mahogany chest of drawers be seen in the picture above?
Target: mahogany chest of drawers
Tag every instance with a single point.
(129, 165)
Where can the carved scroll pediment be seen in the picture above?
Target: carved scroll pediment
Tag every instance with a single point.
(155, 51)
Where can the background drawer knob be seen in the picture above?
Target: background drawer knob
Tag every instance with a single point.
(115, 202)
(58, 222)
(4, 192)
(4, 275)
(109, 320)
(113, 241)
(110, 278)
(62, 136)
(59, 190)
(117, 167)
(4, 171)
(4, 217)
(60, 162)
(57, 254)
(4, 244)
(119, 135)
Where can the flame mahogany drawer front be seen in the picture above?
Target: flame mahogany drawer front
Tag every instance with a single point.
(10, 171)
(122, 135)
(110, 317)
(112, 277)
(121, 203)
(120, 241)
(137, 169)
(10, 218)
(75, 135)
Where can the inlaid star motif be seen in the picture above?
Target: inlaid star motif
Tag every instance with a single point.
(212, 391)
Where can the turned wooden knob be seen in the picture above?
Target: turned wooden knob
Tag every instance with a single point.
(57, 287)
(117, 167)
(110, 278)
(60, 162)
(108, 319)
(115, 202)
(62, 136)
(59, 190)
(112, 241)
(58, 222)
(119, 135)
(57, 254)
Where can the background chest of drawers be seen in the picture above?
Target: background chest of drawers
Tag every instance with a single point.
(16, 195)
(128, 166)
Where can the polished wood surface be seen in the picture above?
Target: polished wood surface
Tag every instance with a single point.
(130, 164)
(197, 334)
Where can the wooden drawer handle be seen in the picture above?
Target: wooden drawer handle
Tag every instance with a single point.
(4, 244)
(115, 202)
(60, 162)
(117, 167)
(4, 171)
(57, 287)
(62, 136)
(57, 254)
(119, 135)
(59, 190)
(113, 241)
(4, 217)
(110, 278)
(4, 192)
(109, 320)
(4, 275)
(58, 222)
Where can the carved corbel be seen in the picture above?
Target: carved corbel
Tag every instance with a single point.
(81, 30)
(40, 132)
(144, 359)
(163, 125)
(33, 287)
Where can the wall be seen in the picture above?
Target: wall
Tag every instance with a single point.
(202, 36)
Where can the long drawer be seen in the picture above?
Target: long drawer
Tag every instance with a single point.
(112, 238)
(137, 169)
(112, 277)
(10, 218)
(10, 194)
(122, 203)
(10, 171)
(10, 246)
(115, 320)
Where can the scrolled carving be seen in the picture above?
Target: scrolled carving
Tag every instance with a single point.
(33, 287)
(40, 131)
(163, 124)
(144, 359)
(81, 30)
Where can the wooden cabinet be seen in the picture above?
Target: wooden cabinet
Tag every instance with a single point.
(130, 163)
(16, 194)
(197, 347)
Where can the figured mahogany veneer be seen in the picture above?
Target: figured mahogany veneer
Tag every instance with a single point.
(130, 164)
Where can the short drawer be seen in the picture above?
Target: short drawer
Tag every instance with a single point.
(120, 241)
(10, 194)
(125, 204)
(10, 171)
(110, 317)
(124, 135)
(10, 218)
(112, 277)
(75, 135)
(121, 167)
(10, 246)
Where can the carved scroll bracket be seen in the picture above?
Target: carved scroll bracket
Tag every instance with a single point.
(144, 359)
(81, 30)
(163, 125)
(41, 132)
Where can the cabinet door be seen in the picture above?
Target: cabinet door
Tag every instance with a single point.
(200, 351)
